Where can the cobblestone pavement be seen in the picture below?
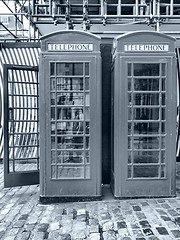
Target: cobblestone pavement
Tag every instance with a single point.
(23, 217)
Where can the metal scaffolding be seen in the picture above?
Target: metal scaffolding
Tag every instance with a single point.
(28, 15)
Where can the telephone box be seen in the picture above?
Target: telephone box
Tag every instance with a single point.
(70, 116)
(143, 115)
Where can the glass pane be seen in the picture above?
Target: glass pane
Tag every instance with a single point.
(70, 172)
(86, 68)
(66, 69)
(69, 84)
(129, 113)
(147, 69)
(163, 157)
(129, 157)
(129, 128)
(53, 113)
(146, 114)
(53, 96)
(146, 156)
(66, 142)
(53, 128)
(163, 99)
(146, 84)
(52, 84)
(87, 142)
(53, 156)
(86, 84)
(87, 127)
(146, 99)
(70, 99)
(163, 142)
(53, 143)
(53, 172)
(163, 69)
(129, 84)
(129, 172)
(87, 171)
(52, 69)
(163, 84)
(146, 143)
(70, 128)
(87, 100)
(162, 171)
(87, 157)
(87, 114)
(129, 69)
(163, 111)
(146, 128)
(146, 171)
(129, 143)
(70, 156)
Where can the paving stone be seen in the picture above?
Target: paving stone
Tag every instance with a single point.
(176, 233)
(140, 215)
(153, 238)
(145, 224)
(121, 225)
(172, 212)
(109, 235)
(107, 226)
(165, 205)
(136, 208)
(166, 218)
(23, 236)
(148, 231)
(162, 230)
(94, 236)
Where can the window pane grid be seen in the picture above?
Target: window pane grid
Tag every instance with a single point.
(146, 120)
(70, 112)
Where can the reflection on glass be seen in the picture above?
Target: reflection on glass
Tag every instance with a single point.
(52, 84)
(53, 128)
(87, 127)
(146, 99)
(146, 156)
(70, 172)
(64, 128)
(146, 69)
(163, 142)
(146, 128)
(69, 84)
(146, 143)
(53, 156)
(66, 69)
(70, 99)
(70, 156)
(146, 113)
(146, 171)
(146, 84)
(65, 142)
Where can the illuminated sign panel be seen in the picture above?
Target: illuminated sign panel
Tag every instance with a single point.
(70, 47)
(146, 47)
